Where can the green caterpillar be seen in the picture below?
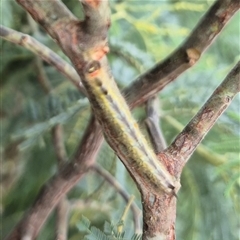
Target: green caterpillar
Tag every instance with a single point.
(121, 130)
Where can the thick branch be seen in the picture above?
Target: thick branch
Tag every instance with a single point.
(51, 15)
(78, 39)
(164, 72)
(60, 184)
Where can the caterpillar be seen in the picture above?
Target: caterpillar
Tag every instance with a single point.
(121, 130)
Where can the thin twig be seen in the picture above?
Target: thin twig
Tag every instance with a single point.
(81, 205)
(59, 147)
(43, 52)
(153, 125)
(124, 214)
(61, 225)
(62, 209)
(111, 180)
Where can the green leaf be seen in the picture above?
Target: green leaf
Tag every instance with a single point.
(84, 225)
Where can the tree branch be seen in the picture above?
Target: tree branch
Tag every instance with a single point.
(212, 157)
(43, 52)
(187, 141)
(61, 224)
(62, 208)
(135, 210)
(81, 205)
(60, 183)
(58, 143)
(166, 71)
(51, 15)
(152, 123)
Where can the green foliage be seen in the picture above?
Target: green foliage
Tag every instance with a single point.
(110, 231)
(142, 33)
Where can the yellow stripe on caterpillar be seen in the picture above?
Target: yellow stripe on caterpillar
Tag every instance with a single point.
(121, 130)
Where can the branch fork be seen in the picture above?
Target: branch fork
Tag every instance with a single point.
(82, 49)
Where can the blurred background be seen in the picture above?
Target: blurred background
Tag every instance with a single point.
(142, 33)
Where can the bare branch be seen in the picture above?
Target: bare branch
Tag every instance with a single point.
(166, 71)
(81, 205)
(62, 208)
(51, 15)
(188, 140)
(61, 224)
(78, 39)
(44, 52)
(111, 180)
(210, 156)
(124, 214)
(58, 143)
(60, 184)
(152, 123)
(41, 76)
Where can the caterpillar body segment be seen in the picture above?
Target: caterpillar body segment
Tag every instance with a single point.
(121, 130)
